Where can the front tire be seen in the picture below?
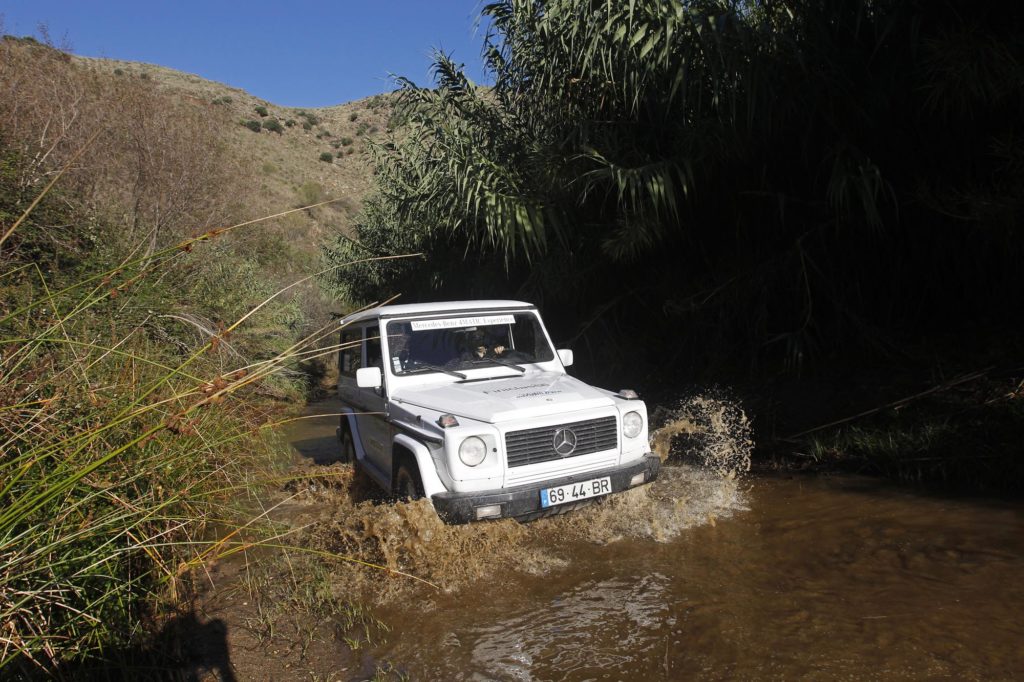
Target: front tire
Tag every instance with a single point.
(408, 485)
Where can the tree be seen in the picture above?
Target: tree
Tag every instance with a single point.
(754, 178)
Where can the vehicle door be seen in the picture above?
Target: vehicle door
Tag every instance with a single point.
(350, 358)
(374, 430)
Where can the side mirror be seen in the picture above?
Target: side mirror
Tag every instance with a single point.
(369, 377)
(565, 355)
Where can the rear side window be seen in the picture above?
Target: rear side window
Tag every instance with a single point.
(350, 356)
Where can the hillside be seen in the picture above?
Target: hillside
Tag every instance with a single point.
(283, 169)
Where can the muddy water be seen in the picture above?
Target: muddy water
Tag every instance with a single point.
(703, 576)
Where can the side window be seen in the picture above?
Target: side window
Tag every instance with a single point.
(351, 354)
(373, 354)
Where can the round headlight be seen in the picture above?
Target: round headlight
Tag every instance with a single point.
(632, 424)
(472, 451)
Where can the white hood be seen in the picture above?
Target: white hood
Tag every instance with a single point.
(499, 400)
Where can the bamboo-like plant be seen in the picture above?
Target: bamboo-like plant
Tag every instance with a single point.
(755, 178)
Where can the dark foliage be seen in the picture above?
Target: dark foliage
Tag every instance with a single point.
(743, 186)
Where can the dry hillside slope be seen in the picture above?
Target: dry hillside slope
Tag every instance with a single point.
(284, 168)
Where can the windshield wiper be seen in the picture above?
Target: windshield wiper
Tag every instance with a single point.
(506, 363)
(423, 366)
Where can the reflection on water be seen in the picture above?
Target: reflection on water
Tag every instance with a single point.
(699, 576)
(595, 627)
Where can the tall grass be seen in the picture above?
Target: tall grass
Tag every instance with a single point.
(118, 450)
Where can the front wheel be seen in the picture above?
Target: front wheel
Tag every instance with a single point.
(407, 482)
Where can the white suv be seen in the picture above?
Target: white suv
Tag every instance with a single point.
(466, 403)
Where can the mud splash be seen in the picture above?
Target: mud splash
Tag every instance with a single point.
(706, 429)
(338, 516)
(409, 537)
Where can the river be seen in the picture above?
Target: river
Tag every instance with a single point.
(760, 577)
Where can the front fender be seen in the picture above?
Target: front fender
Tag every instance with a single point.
(424, 462)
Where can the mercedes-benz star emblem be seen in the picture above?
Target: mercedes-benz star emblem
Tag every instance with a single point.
(564, 442)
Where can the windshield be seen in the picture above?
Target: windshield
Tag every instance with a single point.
(456, 343)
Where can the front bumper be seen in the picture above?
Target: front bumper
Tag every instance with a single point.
(523, 502)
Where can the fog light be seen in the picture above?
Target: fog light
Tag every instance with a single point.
(488, 511)
(637, 479)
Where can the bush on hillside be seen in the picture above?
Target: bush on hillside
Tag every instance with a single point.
(252, 125)
(326, 157)
(309, 193)
(261, 110)
(273, 125)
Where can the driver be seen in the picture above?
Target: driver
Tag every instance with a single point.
(481, 350)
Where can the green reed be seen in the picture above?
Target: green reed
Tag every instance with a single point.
(117, 450)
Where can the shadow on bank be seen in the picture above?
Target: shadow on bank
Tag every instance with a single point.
(187, 649)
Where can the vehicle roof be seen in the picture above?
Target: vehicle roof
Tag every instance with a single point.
(439, 307)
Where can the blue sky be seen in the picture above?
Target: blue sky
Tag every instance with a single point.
(291, 52)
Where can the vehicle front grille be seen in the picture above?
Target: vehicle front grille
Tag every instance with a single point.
(532, 446)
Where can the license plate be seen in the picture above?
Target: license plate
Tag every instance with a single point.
(574, 492)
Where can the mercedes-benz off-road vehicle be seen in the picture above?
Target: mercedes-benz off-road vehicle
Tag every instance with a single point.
(467, 404)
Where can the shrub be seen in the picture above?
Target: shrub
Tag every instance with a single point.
(118, 72)
(326, 157)
(261, 110)
(273, 125)
(309, 193)
(144, 76)
(353, 116)
(346, 141)
(290, 122)
(253, 125)
(340, 153)
(363, 127)
(310, 118)
(306, 125)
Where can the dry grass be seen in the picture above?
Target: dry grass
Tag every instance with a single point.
(138, 338)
